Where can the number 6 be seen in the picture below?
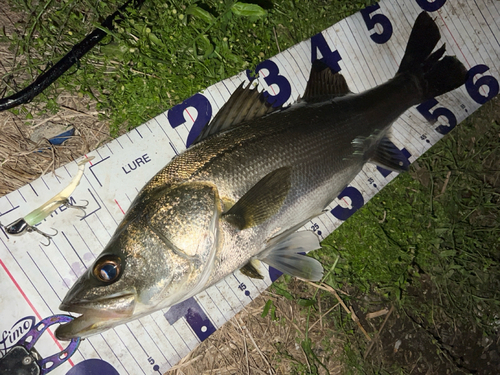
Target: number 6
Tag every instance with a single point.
(473, 88)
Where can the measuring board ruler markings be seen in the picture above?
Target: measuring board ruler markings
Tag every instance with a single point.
(366, 48)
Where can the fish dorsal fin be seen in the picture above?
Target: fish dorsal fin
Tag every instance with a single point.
(262, 201)
(387, 155)
(324, 84)
(245, 104)
(250, 270)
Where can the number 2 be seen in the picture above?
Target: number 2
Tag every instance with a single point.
(176, 115)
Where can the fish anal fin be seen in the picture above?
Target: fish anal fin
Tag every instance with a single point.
(388, 156)
(324, 84)
(250, 269)
(245, 104)
(262, 201)
(286, 256)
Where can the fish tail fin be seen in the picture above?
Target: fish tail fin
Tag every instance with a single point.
(435, 75)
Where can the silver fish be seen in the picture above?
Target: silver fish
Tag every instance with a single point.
(250, 181)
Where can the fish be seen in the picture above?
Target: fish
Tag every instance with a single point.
(253, 177)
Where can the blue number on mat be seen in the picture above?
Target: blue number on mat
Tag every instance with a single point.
(92, 366)
(315, 228)
(195, 317)
(329, 57)
(425, 110)
(372, 20)
(176, 115)
(403, 155)
(275, 78)
(357, 201)
(473, 87)
(431, 6)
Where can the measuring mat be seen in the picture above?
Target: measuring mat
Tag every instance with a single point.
(366, 48)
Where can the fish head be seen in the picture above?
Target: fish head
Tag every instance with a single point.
(161, 254)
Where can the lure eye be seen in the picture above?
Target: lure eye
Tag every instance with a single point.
(107, 269)
(17, 228)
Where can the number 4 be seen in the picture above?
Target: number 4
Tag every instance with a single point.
(330, 58)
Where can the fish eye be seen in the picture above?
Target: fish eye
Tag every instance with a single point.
(107, 269)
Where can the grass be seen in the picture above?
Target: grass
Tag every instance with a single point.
(437, 225)
(435, 229)
(162, 53)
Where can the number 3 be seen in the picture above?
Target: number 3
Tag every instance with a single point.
(285, 90)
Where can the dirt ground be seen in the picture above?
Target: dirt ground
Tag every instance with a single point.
(25, 152)
(410, 342)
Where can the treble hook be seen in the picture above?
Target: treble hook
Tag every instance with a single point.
(27, 223)
(80, 207)
(20, 226)
(46, 235)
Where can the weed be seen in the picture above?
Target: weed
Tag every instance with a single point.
(160, 54)
(429, 241)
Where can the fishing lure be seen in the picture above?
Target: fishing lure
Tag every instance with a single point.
(27, 223)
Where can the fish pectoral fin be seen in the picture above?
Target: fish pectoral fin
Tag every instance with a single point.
(286, 256)
(250, 270)
(324, 84)
(262, 201)
(245, 104)
(388, 156)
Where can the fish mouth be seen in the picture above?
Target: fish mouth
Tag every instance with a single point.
(96, 315)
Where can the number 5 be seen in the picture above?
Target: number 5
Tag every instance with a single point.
(432, 117)
(382, 20)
